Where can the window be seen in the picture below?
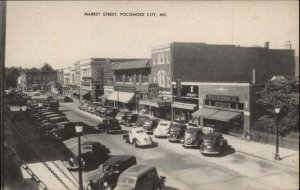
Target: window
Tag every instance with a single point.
(206, 102)
(232, 105)
(119, 78)
(168, 57)
(226, 105)
(240, 106)
(154, 57)
(219, 104)
(161, 78)
(128, 78)
(137, 78)
(212, 103)
(144, 78)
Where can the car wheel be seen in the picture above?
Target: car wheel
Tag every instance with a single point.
(135, 144)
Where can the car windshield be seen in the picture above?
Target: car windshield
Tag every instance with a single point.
(126, 182)
(120, 114)
(87, 147)
(175, 128)
(139, 131)
(209, 139)
(107, 167)
(163, 125)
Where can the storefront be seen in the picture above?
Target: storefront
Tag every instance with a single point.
(185, 102)
(224, 107)
(123, 97)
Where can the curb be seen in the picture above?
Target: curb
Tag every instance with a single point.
(263, 158)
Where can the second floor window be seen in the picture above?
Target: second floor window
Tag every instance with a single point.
(137, 78)
(128, 78)
(119, 78)
(144, 78)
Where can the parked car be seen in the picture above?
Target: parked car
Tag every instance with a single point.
(193, 138)
(141, 120)
(101, 112)
(111, 170)
(139, 177)
(97, 109)
(62, 131)
(46, 127)
(83, 106)
(121, 116)
(46, 118)
(109, 124)
(111, 112)
(65, 99)
(138, 137)
(93, 154)
(130, 119)
(150, 124)
(162, 129)
(177, 132)
(213, 143)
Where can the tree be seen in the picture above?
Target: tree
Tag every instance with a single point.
(47, 67)
(282, 93)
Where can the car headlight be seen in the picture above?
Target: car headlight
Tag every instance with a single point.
(105, 184)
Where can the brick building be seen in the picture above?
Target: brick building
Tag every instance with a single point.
(131, 79)
(227, 107)
(39, 80)
(219, 63)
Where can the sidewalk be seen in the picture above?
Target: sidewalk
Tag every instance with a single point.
(264, 151)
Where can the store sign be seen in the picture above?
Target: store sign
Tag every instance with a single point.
(186, 91)
(124, 89)
(153, 90)
(222, 98)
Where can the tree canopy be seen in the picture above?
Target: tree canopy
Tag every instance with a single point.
(284, 94)
(47, 67)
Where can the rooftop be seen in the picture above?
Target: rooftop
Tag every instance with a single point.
(137, 64)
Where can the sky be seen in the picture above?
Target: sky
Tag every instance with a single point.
(60, 34)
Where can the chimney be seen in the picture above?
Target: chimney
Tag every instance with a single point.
(253, 76)
(288, 44)
(267, 44)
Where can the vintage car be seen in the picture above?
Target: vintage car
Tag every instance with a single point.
(138, 137)
(193, 138)
(139, 177)
(91, 108)
(83, 106)
(140, 120)
(150, 124)
(162, 129)
(130, 119)
(46, 118)
(101, 112)
(97, 109)
(109, 125)
(111, 112)
(213, 143)
(42, 116)
(92, 153)
(62, 131)
(176, 133)
(111, 170)
(121, 116)
(46, 127)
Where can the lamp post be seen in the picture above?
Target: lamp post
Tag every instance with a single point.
(277, 157)
(78, 129)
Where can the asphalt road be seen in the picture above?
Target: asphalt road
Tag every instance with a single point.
(184, 168)
(187, 168)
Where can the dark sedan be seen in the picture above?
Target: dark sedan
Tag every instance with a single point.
(213, 143)
(193, 138)
(150, 124)
(176, 132)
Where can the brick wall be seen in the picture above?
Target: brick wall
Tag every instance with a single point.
(227, 63)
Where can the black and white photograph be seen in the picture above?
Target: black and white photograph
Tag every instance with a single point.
(149, 95)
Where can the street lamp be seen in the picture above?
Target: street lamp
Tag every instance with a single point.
(78, 129)
(277, 157)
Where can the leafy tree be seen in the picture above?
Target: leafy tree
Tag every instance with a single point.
(282, 93)
(47, 67)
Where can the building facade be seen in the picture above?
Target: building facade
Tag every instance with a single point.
(40, 80)
(226, 107)
(131, 79)
(219, 63)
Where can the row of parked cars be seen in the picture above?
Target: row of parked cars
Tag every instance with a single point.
(51, 122)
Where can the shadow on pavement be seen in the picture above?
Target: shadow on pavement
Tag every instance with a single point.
(169, 188)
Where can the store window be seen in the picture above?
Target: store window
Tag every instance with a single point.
(144, 78)
(240, 106)
(225, 105)
(128, 78)
(137, 78)
(206, 102)
(219, 105)
(232, 105)
(119, 78)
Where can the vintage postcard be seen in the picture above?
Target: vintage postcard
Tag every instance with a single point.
(170, 95)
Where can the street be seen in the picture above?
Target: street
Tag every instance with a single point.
(184, 168)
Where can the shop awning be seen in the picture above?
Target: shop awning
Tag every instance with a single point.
(124, 97)
(204, 112)
(148, 103)
(103, 97)
(183, 106)
(225, 115)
